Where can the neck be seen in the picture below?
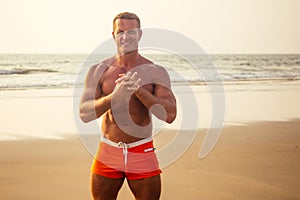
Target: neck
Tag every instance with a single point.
(128, 60)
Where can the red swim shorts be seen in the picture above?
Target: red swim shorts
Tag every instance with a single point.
(133, 161)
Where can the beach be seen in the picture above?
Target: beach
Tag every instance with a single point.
(256, 157)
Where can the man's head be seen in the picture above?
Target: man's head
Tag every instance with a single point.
(126, 32)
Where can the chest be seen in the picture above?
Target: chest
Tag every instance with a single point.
(107, 81)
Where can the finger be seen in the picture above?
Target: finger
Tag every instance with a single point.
(133, 75)
(127, 76)
(119, 79)
(128, 83)
(135, 86)
(138, 81)
(132, 88)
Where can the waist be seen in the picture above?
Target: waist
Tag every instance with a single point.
(122, 144)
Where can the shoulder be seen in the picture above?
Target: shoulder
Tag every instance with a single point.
(159, 75)
(96, 71)
(154, 70)
(158, 70)
(151, 65)
(98, 68)
(102, 65)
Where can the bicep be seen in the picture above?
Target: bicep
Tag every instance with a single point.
(164, 93)
(160, 76)
(163, 86)
(92, 88)
(90, 93)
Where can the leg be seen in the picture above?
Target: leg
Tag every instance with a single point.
(147, 188)
(103, 188)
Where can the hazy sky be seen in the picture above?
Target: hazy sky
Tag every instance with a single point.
(218, 26)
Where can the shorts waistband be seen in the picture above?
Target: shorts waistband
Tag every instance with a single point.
(122, 144)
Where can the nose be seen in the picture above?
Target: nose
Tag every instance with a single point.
(125, 35)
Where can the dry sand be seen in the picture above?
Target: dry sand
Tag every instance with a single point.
(256, 161)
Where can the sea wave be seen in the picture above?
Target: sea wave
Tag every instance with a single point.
(22, 71)
(26, 71)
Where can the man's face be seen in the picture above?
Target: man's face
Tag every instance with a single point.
(127, 35)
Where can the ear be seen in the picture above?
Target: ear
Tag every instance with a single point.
(113, 34)
(140, 34)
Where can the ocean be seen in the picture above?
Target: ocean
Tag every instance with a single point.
(30, 71)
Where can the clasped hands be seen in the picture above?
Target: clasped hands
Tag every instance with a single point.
(126, 85)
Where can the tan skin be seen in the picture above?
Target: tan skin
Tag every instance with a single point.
(105, 82)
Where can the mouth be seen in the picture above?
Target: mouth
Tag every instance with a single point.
(125, 43)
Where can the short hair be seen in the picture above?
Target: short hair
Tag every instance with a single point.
(127, 15)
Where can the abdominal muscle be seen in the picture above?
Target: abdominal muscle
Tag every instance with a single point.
(140, 117)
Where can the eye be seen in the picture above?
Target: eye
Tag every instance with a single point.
(131, 32)
(120, 32)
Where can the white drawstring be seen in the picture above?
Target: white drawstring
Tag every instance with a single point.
(125, 150)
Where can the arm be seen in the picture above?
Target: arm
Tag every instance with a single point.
(162, 102)
(162, 105)
(93, 104)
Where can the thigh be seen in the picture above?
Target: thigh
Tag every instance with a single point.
(104, 188)
(147, 188)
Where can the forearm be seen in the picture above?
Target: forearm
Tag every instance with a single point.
(164, 109)
(93, 109)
